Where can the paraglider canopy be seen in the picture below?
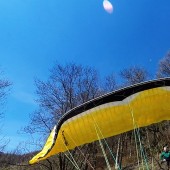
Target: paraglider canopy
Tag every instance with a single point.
(114, 113)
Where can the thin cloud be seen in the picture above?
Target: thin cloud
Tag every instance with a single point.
(25, 97)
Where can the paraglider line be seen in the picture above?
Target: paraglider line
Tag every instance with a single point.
(142, 150)
(106, 143)
(81, 152)
(104, 153)
(136, 133)
(75, 163)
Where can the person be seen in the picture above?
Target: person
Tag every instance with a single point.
(165, 156)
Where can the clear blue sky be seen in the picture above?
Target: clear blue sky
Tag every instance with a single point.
(36, 33)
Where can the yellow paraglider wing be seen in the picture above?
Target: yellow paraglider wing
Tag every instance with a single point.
(117, 112)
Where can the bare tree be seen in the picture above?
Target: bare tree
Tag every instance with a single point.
(133, 75)
(67, 87)
(4, 89)
(164, 66)
(110, 83)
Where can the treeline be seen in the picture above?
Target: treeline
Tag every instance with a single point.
(71, 85)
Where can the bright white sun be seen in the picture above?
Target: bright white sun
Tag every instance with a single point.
(108, 6)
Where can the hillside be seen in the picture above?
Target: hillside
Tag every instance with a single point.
(90, 156)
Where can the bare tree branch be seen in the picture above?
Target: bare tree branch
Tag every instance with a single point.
(133, 75)
(164, 66)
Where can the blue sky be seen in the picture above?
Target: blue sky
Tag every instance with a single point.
(36, 33)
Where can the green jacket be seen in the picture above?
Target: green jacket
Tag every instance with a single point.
(165, 155)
